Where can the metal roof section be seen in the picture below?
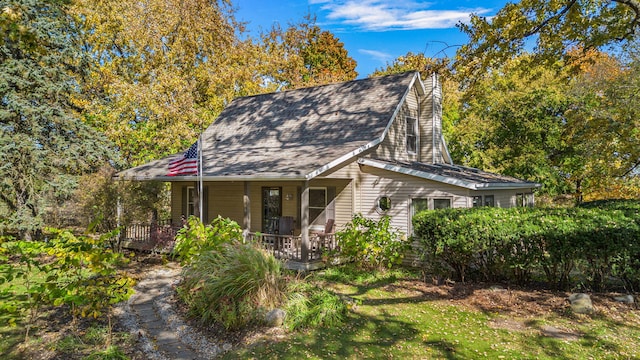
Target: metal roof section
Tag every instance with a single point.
(455, 175)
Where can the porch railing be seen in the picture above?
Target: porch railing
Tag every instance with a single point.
(149, 237)
(289, 247)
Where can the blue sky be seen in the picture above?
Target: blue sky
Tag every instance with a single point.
(374, 32)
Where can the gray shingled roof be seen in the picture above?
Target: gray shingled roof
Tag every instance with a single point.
(463, 176)
(291, 134)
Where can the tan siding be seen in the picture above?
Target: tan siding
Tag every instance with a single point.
(343, 201)
(176, 202)
(394, 146)
(401, 188)
(225, 199)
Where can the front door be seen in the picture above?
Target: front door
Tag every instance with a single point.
(271, 209)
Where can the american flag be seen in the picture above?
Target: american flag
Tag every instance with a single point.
(187, 164)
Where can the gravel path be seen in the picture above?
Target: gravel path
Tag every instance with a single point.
(163, 335)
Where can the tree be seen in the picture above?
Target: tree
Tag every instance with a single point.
(555, 26)
(305, 55)
(44, 140)
(162, 70)
(513, 124)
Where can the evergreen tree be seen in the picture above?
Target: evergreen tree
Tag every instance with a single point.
(43, 140)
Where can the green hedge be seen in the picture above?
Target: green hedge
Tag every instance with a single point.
(593, 243)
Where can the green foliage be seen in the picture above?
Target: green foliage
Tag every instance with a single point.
(309, 306)
(110, 353)
(553, 25)
(510, 244)
(80, 272)
(43, 142)
(371, 243)
(232, 285)
(305, 55)
(196, 239)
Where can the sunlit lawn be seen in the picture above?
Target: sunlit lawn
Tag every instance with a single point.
(392, 322)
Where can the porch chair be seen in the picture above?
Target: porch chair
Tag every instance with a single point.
(327, 236)
(285, 227)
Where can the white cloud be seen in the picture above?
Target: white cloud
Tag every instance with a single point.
(377, 55)
(383, 15)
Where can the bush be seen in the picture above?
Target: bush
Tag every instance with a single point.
(309, 306)
(197, 238)
(371, 243)
(234, 285)
(510, 244)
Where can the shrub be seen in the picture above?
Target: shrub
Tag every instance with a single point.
(234, 285)
(512, 243)
(371, 243)
(197, 238)
(309, 306)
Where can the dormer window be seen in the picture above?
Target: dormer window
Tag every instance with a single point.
(412, 135)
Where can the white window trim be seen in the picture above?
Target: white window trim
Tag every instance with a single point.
(191, 204)
(415, 134)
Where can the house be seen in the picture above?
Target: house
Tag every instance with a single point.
(372, 146)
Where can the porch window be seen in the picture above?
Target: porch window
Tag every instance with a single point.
(412, 135)
(317, 205)
(191, 205)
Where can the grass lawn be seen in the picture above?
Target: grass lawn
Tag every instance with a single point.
(398, 316)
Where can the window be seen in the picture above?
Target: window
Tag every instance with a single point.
(528, 200)
(477, 201)
(412, 135)
(384, 204)
(418, 205)
(441, 203)
(520, 200)
(317, 205)
(191, 206)
(488, 200)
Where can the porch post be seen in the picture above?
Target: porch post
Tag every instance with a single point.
(247, 212)
(196, 200)
(304, 221)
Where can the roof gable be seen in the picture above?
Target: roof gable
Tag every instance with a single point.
(292, 134)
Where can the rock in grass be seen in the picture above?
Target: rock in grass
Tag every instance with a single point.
(581, 303)
(275, 317)
(627, 299)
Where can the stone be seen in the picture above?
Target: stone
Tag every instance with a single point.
(275, 317)
(626, 299)
(581, 303)
(497, 288)
(226, 347)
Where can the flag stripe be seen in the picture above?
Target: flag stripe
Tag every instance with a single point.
(187, 164)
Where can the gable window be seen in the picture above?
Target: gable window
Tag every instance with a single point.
(412, 135)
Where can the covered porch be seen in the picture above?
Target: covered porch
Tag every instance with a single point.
(294, 220)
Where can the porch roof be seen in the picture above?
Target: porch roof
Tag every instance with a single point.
(456, 175)
(294, 134)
